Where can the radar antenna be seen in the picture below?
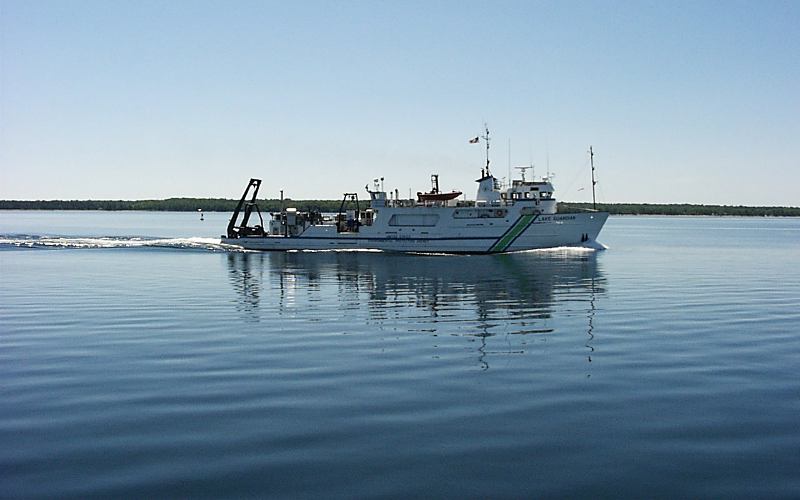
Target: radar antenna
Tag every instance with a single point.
(522, 171)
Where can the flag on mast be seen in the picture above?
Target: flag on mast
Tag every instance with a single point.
(474, 140)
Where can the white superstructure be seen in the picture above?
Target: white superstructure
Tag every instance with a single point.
(520, 216)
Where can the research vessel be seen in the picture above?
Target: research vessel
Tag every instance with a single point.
(521, 215)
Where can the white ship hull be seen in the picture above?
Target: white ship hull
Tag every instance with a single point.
(523, 215)
(515, 232)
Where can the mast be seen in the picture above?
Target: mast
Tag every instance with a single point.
(591, 160)
(486, 139)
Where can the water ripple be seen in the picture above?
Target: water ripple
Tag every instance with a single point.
(667, 364)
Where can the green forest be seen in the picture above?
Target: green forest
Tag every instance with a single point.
(227, 205)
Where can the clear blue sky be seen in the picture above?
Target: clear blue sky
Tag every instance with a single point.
(693, 102)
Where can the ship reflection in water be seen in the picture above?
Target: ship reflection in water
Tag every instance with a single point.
(489, 305)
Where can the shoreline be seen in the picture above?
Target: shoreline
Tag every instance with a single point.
(228, 205)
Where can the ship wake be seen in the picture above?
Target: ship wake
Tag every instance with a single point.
(83, 242)
(588, 247)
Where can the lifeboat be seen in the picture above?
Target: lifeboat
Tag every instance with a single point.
(423, 197)
(435, 194)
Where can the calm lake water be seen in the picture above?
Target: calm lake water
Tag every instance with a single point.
(139, 358)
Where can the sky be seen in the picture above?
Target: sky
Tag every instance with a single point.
(682, 101)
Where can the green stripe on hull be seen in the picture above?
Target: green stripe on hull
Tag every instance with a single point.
(511, 235)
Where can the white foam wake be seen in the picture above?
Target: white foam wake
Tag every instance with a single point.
(586, 248)
(35, 241)
(337, 250)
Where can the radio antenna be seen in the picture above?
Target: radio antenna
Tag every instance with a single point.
(509, 160)
(591, 160)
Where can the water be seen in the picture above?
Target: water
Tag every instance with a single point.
(140, 358)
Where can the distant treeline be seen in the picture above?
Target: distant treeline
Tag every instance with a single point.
(168, 205)
(226, 205)
(684, 209)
